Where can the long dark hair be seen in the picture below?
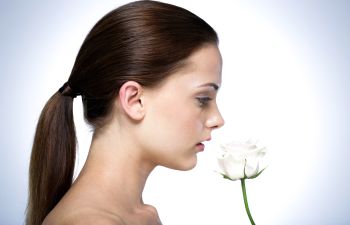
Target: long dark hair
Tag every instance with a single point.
(143, 41)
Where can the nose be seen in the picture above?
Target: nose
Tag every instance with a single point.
(215, 120)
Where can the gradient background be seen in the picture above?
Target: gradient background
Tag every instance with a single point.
(285, 82)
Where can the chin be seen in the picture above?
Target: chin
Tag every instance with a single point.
(185, 166)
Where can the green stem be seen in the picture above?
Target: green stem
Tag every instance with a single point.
(246, 201)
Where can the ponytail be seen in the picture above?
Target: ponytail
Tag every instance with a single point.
(52, 158)
(142, 41)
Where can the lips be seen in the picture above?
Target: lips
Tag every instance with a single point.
(207, 139)
(200, 146)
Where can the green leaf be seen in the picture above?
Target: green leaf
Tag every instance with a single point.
(256, 175)
(226, 177)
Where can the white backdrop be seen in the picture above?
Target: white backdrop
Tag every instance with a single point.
(285, 82)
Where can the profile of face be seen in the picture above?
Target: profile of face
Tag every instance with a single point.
(182, 112)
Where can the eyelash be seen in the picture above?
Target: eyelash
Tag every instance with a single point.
(203, 101)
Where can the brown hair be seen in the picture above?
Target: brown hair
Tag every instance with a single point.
(143, 41)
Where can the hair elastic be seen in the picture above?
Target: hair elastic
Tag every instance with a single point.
(67, 90)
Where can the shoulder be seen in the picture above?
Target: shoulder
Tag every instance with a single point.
(97, 217)
(93, 220)
(86, 217)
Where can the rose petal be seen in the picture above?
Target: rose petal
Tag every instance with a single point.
(232, 168)
(251, 169)
(241, 159)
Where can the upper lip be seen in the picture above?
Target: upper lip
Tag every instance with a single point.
(207, 139)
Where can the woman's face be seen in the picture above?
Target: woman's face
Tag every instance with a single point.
(182, 112)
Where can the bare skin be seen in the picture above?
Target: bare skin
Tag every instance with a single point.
(106, 193)
(108, 190)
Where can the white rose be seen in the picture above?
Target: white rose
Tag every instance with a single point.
(241, 160)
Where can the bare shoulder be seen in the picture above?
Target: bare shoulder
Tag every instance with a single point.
(93, 220)
(93, 217)
(85, 217)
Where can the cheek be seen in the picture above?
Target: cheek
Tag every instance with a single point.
(171, 132)
(181, 122)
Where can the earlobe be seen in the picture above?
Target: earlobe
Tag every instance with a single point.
(130, 98)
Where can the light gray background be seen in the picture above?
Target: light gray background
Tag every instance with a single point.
(286, 80)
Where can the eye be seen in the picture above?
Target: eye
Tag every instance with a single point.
(203, 101)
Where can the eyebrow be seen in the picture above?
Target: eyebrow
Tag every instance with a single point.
(213, 85)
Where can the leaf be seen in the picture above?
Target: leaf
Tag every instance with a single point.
(256, 175)
(226, 177)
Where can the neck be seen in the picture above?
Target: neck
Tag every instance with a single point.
(115, 171)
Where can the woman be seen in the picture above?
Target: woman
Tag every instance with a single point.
(148, 73)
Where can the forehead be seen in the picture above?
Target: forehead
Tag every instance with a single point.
(206, 58)
(203, 66)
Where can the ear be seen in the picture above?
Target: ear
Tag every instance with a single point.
(130, 100)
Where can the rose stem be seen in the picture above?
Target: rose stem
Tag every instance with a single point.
(246, 201)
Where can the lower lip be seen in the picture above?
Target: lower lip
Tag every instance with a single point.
(200, 147)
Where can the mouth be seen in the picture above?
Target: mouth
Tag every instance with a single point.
(200, 147)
